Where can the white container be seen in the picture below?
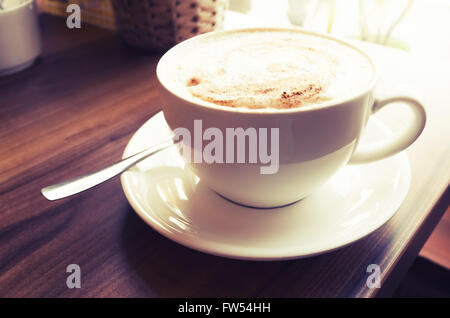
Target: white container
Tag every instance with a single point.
(20, 40)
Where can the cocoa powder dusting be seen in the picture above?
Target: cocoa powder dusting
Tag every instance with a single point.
(265, 91)
(193, 82)
(290, 99)
(222, 102)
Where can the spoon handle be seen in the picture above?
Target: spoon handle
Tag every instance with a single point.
(87, 181)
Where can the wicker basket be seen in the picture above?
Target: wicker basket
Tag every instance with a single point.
(159, 24)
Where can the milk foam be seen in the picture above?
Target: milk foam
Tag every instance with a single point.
(271, 69)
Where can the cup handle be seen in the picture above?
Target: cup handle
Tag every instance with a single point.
(397, 143)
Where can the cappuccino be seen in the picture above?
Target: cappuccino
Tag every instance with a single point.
(274, 69)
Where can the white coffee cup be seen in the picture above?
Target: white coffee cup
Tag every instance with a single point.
(20, 39)
(313, 143)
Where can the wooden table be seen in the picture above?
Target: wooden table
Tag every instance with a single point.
(75, 111)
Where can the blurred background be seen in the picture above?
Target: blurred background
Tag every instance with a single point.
(418, 26)
(421, 27)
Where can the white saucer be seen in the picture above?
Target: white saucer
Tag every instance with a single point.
(172, 200)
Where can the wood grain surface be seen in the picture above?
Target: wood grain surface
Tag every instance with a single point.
(74, 112)
(437, 247)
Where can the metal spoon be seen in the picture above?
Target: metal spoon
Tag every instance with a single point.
(79, 184)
